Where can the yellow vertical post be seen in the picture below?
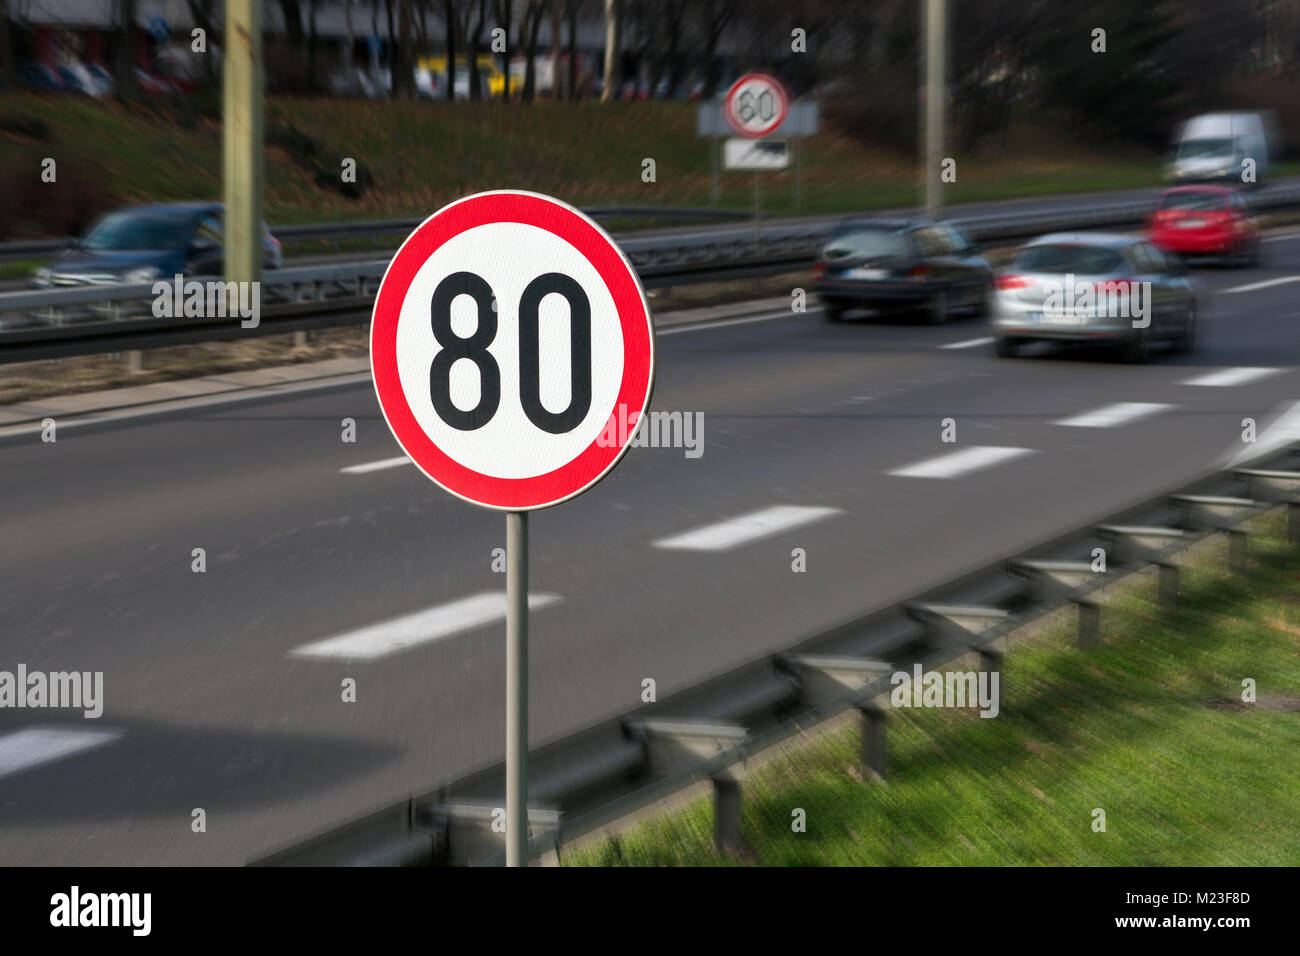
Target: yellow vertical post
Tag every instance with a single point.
(242, 140)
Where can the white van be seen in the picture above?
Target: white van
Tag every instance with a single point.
(1215, 146)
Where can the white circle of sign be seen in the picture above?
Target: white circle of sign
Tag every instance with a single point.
(510, 339)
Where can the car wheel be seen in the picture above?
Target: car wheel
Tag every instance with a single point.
(984, 306)
(833, 312)
(936, 311)
(1138, 350)
(1006, 347)
(1185, 341)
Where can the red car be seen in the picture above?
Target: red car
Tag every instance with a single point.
(1205, 221)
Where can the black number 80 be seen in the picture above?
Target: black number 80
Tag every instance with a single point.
(475, 348)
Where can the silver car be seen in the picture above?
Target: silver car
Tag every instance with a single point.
(1094, 289)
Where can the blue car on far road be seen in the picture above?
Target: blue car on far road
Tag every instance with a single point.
(145, 243)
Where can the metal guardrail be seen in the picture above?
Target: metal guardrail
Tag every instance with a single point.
(384, 228)
(112, 318)
(595, 777)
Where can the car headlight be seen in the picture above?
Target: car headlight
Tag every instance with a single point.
(142, 274)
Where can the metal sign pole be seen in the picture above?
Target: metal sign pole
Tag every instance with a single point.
(517, 688)
(798, 183)
(715, 144)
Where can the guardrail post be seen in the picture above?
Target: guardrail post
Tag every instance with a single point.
(727, 834)
(1168, 586)
(135, 361)
(1089, 624)
(300, 339)
(1238, 552)
(873, 726)
(990, 659)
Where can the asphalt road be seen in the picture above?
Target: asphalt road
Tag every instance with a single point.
(210, 701)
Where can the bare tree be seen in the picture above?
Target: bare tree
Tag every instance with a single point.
(311, 44)
(475, 40)
(352, 36)
(572, 7)
(452, 19)
(714, 16)
(6, 41)
(613, 16)
(292, 10)
(124, 54)
(400, 62)
(504, 17)
(557, 19)
(532, 22)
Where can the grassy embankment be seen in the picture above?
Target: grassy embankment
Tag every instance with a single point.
(1151, 727)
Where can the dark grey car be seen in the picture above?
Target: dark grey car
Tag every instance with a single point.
(902, 264)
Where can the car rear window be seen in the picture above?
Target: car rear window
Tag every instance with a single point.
(1081, 260)
(1194, 200)
(874, 243)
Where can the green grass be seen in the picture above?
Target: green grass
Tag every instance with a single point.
(424, 155)
(1149, 727)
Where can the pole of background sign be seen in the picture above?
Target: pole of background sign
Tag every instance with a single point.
(755, 207)
(517, 688)
(935, 45)
(713, 167)
(798, 174)
(242, 140)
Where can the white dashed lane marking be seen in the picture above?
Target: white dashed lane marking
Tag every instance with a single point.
(1266, 284)
(33, 746)
(421, 627)
(1226, 377)
(1120, 413)
(745, 528)
(375, 466)
(957, 463)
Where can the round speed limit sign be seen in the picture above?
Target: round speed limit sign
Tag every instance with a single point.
(756, 104)
(509, 332)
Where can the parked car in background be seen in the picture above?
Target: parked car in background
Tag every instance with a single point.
(1094, 289)
(42, 78)
(1206, 221)
(154, 84)
(145, 243)
(88, 80)
(902, 264)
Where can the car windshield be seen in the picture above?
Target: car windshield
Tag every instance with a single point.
(139, 230)
(1194, 200)
(1062, 259)
(1204, 148)
(867, 243)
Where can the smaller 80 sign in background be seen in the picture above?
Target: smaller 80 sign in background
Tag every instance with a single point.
(756, 105)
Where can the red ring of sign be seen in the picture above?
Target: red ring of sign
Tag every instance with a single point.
(510, 494)
(781, 93)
